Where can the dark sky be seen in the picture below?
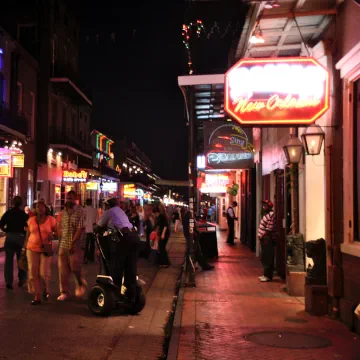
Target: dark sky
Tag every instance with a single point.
(133, 76)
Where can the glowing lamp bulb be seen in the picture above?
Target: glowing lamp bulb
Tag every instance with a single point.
(293, 152)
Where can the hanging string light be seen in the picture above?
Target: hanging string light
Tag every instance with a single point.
(187, 32)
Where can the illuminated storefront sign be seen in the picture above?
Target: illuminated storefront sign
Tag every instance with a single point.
(18, 160)
(228, 146)
(75, 176)
(110, 186)
(92, 185)
(5, 166)
(215, 183)
(281, 91)
(130, 191)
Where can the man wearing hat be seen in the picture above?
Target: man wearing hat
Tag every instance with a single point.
(230, 215)
(266, 235)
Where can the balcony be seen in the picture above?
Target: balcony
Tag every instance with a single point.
(14, 120)
(59, 136)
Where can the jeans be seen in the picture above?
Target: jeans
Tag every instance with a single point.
(13, 245)
(89, 253)
(231, 226)
(39, 272)
(267, 256)
(70, 263)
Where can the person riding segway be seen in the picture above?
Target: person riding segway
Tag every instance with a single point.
(122, 249)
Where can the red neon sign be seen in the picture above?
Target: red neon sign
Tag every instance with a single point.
(281, 91)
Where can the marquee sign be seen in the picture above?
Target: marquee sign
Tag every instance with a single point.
(228, 146)
(75, 176)
(279, 91)
(215, 183)
(5, 166)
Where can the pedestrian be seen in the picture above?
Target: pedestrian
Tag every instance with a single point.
(91, 217)
(71, 233)
(134, 218)
(149, 223)
(14, 224)
(162, 228)
(38, 246)
(176, 220)
(266, 235)
(141, 213)
(230, 215)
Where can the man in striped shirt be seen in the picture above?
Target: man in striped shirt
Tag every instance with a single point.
(266, 235)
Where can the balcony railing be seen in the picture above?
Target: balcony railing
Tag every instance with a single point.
(13, 119)
(60, 136)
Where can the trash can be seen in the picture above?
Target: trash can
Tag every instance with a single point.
(208, 240)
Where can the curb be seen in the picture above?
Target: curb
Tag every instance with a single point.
(176, 325)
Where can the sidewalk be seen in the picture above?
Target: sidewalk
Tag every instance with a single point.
(230, 303)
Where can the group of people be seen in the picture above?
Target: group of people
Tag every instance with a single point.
(30, 236)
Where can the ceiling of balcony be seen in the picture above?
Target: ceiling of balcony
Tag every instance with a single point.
(285, 29)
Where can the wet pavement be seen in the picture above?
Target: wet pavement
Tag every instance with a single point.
(230, 303)
(67, 330)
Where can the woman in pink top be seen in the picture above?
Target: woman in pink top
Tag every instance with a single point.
(40, 230)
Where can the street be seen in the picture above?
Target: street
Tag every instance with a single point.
(67, 330)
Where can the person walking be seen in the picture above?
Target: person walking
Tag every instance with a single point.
(14, 224)
(134, 218)
(230, 215)
(38, 246)
(71, 230)
(91, 217)
(141, 213)
(162, 228)
(176, 218)
(266, 235)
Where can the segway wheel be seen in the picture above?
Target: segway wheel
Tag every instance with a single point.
(139, 303)
(100, 301)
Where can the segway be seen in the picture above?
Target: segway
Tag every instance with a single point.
(106, 295)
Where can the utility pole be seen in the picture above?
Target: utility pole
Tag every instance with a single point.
(190, 268)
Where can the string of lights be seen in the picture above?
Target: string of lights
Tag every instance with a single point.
(187, 32)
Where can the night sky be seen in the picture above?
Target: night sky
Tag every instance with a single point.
(131, 55)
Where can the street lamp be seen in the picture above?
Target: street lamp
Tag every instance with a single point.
(293, 150)
(313, 138)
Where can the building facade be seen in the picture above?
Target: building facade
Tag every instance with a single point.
(18, 110)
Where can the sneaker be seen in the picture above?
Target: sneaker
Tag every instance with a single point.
(64, 297)
(264, 279)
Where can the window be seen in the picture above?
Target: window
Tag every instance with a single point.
(30, 196)
(19, 97)
(16, 181)
(356, 134)
(54, 111)
(85, 119)
(32, 113)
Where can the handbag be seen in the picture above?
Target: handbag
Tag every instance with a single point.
(154, 241)
(48, 250)
(23, 261)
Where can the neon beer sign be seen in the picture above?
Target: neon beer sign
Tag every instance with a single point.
(281, 91)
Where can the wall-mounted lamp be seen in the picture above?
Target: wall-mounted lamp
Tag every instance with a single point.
(313, 138)
(293, 150)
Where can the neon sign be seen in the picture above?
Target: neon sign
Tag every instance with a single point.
(281, 91)
(228, 146)
(75, 176)
(215, 183)
(129, 191)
